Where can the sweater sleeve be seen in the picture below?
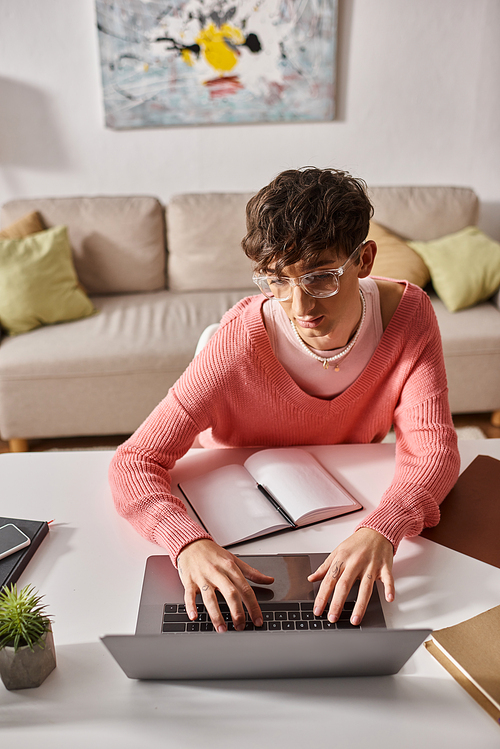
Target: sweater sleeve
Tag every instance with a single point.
(139, 477)
(427, 457)
(139, 473)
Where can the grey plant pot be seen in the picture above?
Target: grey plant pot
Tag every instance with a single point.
(26, 668)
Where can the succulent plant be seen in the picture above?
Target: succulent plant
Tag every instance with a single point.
(23, 620)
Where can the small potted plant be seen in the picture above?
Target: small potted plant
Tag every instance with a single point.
(27, 654)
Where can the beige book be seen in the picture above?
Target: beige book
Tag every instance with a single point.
(470, 652)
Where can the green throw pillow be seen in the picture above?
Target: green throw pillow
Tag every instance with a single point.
(38, 282)
(464, 267)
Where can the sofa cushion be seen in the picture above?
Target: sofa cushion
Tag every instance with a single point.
(204, 242)
(28, 224)
(38, 283)
(396, 259)
(205, 230)
(464, 267)
(103, 374)
(118, 242)
(471, 347)
(424, 213)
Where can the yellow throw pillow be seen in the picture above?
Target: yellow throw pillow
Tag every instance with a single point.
(28, 224)
(395, 258)
(38, 283)
(464, 267)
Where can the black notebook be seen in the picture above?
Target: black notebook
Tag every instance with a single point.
(12, 566)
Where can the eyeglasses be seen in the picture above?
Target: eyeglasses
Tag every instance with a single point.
(318, 284)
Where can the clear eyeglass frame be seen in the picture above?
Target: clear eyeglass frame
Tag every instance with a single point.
(330, 278)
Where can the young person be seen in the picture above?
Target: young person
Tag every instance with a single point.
(326, 355)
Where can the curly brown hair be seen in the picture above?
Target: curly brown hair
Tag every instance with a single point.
(304, 212)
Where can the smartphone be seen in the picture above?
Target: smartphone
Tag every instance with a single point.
(12, 539)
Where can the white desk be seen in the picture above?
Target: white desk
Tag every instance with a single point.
(90, 569)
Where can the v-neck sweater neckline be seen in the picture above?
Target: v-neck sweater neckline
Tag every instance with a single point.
(385, 355)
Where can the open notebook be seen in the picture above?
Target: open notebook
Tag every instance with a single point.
(275, 490)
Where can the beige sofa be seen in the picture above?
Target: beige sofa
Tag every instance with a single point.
(159, 276)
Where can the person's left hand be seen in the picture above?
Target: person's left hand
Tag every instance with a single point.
(366, 556)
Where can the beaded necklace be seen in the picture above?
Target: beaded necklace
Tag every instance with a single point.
(326, 361)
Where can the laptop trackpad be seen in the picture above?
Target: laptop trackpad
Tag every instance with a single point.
(290, 573)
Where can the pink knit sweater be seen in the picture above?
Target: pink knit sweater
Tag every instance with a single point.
(237, 389)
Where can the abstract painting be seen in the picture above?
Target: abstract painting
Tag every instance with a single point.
(194, 62)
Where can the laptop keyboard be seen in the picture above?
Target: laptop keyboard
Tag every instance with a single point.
(287, 616)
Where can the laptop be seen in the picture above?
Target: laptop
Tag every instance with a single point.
(291, 643)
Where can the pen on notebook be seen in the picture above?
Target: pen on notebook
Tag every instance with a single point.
(275, 504)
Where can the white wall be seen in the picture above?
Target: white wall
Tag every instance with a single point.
(418, 103)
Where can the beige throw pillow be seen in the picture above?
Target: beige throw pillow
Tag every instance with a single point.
(28, 224)
(395, 258)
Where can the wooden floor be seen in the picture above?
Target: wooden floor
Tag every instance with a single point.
(478, 420)
(80, 443)
(71, 443)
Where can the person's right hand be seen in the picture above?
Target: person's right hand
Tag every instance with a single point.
(204, 568)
